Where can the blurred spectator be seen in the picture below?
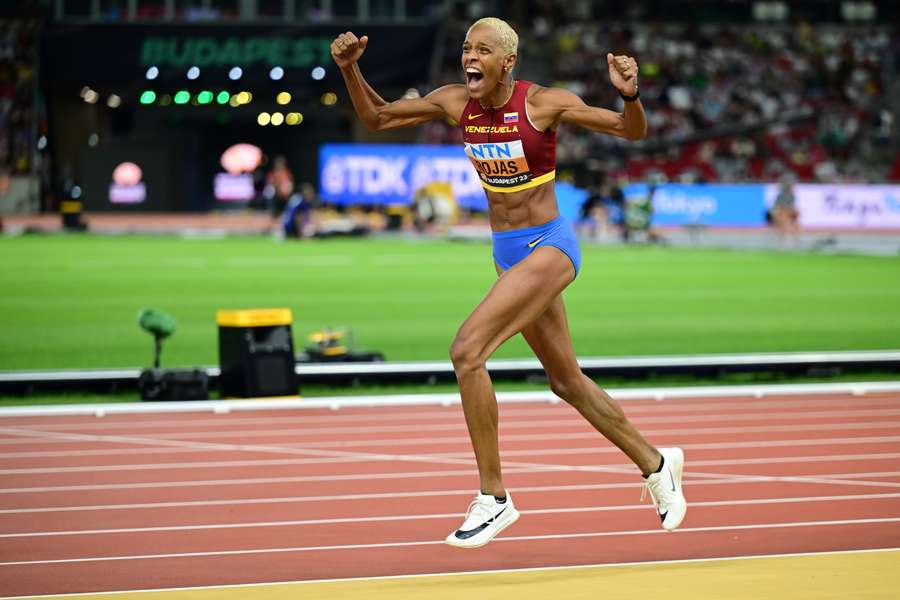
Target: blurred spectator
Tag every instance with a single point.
(593, 216)
(297, 218)
(279, 186)
(784, 215)
(638, 218)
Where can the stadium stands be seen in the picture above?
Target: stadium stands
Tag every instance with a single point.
(726, 102)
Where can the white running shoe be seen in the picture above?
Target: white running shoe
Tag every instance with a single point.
(665, 489)
(484, 520)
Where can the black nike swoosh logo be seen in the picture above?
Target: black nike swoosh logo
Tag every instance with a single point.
(662, 517)
(672, 479)
(464, 535)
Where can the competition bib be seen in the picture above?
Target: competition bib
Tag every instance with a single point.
(500, 164)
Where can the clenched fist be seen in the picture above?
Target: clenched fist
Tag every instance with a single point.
(347, 48)
(623, 73)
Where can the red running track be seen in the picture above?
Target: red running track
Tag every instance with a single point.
(173, 500)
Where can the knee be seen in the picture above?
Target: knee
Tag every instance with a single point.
(568, 388)
(465, 354)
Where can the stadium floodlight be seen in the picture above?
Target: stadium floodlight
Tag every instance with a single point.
(276, 73)
(160, 325)
(293, 118)
(193, 73)
(263, 118)
(148, 97)
(152, 73)
(235, 73)
(114, 101)
(329, 98)
(277, 119)
(318, 73)
(205, 97)
(182, 97)
(283, 98)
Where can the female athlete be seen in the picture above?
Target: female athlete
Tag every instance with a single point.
(509, 128)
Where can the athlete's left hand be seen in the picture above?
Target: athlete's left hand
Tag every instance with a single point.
(623, 73)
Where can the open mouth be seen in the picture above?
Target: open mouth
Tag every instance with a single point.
(473, 79)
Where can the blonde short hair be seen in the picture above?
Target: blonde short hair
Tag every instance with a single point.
(506, 35)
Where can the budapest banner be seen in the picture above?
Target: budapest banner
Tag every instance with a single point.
(116, 54)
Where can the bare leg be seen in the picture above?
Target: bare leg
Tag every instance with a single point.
(549, 337)
(518, 297)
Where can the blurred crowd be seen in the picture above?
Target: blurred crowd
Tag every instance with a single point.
(724, 102)
(19, 40)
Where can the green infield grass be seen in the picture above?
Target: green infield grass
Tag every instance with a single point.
(72, 301)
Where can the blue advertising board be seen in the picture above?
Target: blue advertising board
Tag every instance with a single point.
(715, 205)
(380, 174)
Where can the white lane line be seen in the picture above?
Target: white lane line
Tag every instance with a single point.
(529, 467)
(836, 479)
(289, 448)
(461, 458)
(558, 536)
(842, 479)
(337, 497)
(548, 451)
(250, 481)
(510, 412)
(592, 435)
(377, 519)
(612, 468)
(25, 433)
(714, 393)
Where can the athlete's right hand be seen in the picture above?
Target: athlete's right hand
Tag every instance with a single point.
(347, 48)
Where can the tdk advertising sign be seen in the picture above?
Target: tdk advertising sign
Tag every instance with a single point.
(714, 205)
(380, 174)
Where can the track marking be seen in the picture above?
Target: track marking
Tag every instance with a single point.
(509, 413)
(436, 542)
(376, 519)
(464, 440)
(714, 393)
(422, 493)
(600, 449)
(837, 479)
(523, 424)
(460, 458)
(620, 468)
(592, 435)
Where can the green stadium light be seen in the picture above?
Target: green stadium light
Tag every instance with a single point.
(148, 97)
(182, 97)
(223, 97)
(205, 97)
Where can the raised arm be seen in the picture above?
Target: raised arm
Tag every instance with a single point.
(378, 114)
(554, 105)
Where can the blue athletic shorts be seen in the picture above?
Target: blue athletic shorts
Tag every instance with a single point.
(510, 247)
